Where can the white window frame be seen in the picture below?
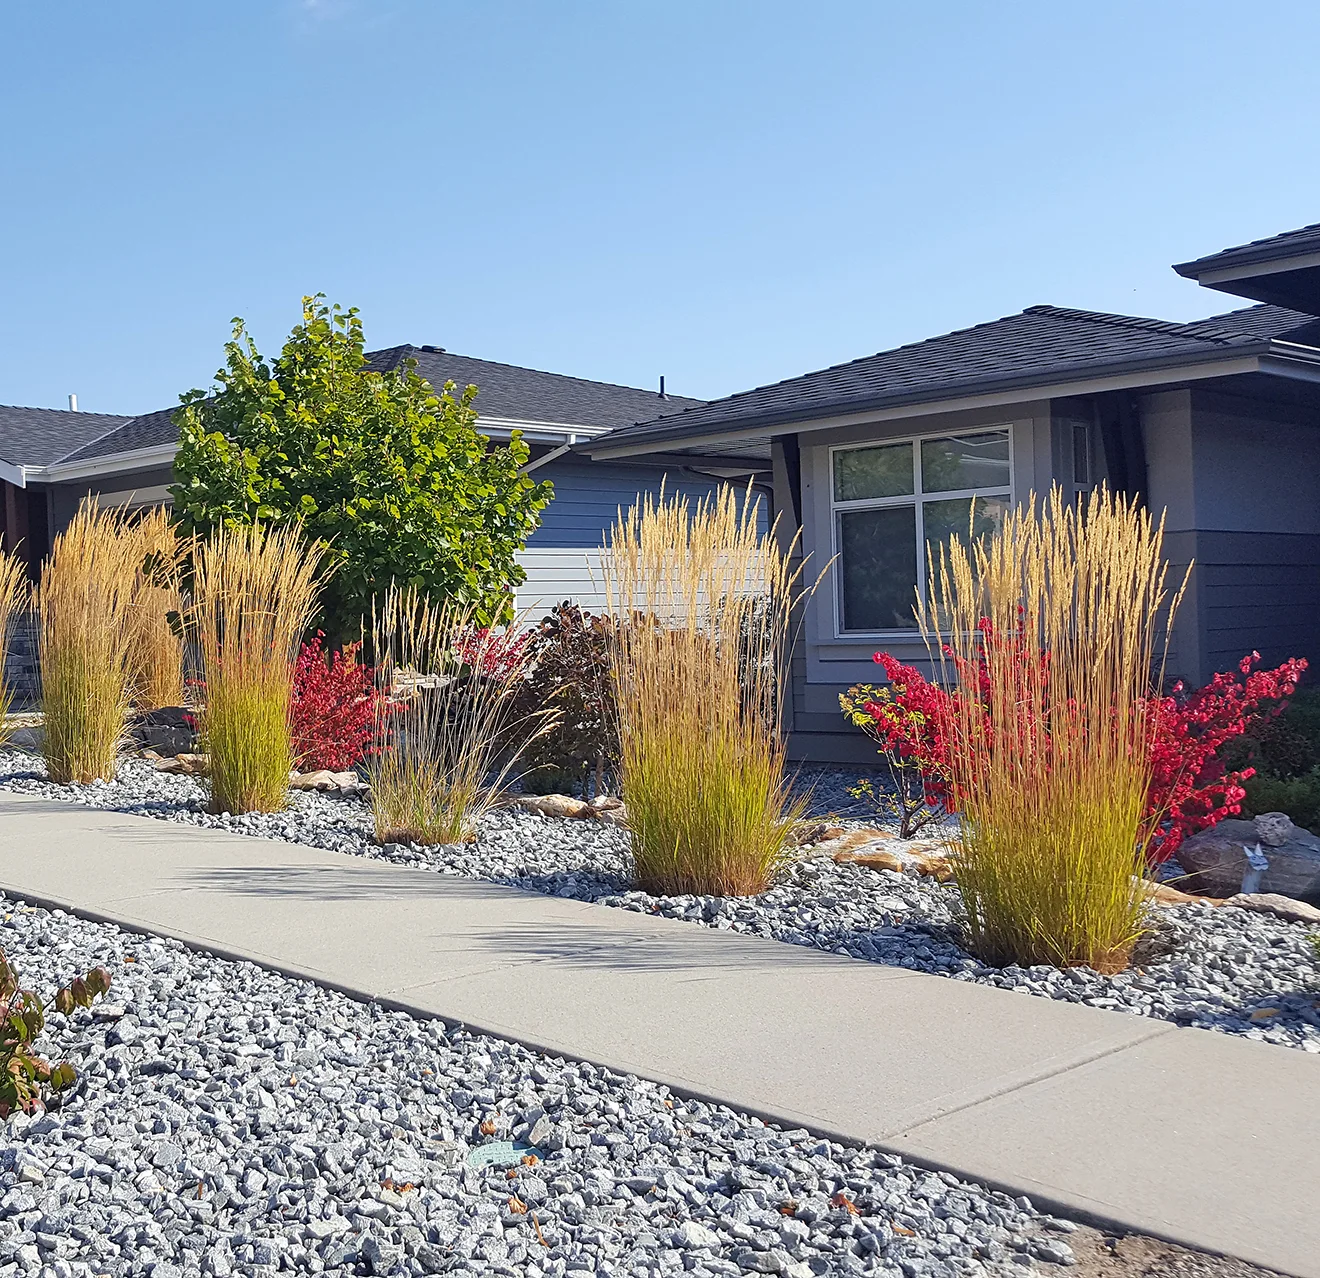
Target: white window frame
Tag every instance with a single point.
(916, 498)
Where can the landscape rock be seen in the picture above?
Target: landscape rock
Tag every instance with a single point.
(344, 784)
(169, 731)
(1284, 907)
(1163, 894)
(1216, 862)
(187, 765)
(555, 805)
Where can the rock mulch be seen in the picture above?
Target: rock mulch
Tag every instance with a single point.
(229, 1120)
(1221, 969)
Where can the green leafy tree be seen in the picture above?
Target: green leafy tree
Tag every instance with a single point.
(391, 473)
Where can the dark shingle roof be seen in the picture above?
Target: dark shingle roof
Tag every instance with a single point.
(1042, 343)
(1275, 322)
(39, 436)
(1306, 239)
(528, 395)
(504, 391)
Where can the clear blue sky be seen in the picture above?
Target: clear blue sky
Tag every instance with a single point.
(724, 192)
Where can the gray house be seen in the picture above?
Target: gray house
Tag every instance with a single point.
(50, 460)
(1215, 422)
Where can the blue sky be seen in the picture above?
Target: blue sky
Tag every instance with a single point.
(723, 192)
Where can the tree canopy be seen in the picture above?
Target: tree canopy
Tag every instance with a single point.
(389, 472)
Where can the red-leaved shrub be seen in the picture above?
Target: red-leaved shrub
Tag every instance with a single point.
(334, 699)
(1191, 787)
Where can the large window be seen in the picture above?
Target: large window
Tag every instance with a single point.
(890, 500)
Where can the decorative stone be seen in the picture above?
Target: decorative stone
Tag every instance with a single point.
(1163, 894)
(1283, 907)
(555, 805)
(168, 731)
(1216, 862)
(326, 782)
(188, 765)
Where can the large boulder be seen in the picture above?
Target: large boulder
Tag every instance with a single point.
(169, 731)
(1216, 859)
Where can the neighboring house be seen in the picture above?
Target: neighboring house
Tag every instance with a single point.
(1215, 423)
(50, 460)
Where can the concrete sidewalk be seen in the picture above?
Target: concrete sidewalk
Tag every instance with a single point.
(1198, 1138)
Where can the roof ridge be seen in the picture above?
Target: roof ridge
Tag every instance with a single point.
(73, 412)
(1142, 322)
(545, 372)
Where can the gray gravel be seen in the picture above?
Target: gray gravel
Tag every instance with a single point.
(230, 1120)
(1215, 969)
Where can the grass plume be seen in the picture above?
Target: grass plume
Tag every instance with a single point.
(157, 654)
(14, 596)
(702, 601)
(254, 595)
(1049, 765)
(450, 731)
(85, 634)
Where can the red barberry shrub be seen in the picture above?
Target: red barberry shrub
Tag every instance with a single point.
(334, 707)
(1192, 788)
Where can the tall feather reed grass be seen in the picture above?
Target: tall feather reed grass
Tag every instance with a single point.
(84, 609)
(447, 719)
(156, 660)
(703, 603)
(1049, 765)
(254, 595)
(14, 597)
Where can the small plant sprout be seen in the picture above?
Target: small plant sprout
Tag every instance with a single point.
(28, 1079)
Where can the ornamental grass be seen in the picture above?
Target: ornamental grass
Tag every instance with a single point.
(254, 594)
(1049, 764)
(157, 655)
(702, 600)
(448, 725)
(85, 633)
(13, 601)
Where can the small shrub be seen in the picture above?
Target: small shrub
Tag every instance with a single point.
(28, 1079)
(334, 707)
(914, 799)
(1298, 797)
(444, 720)
(254, 593)
(85, 606)
(702, 602)
(568, 670)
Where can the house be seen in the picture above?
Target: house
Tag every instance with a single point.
(1215, 424)
(50, 460)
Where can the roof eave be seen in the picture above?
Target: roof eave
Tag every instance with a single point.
(984, 392)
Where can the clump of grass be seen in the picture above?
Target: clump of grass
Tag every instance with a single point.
(157, 655)
(254, 595)
(1049, 763)
(13, 600)
(702, 601)
(447, 719)
(85, 634)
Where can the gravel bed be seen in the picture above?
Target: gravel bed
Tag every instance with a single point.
(1223, 969)
(228, 1120)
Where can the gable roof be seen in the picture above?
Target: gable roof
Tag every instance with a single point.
(40, 436)
(506, 392)
(1036, 347)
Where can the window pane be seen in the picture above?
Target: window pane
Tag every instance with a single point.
(965, 461)
(945, 519)
(878, 568)
(885, 471)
